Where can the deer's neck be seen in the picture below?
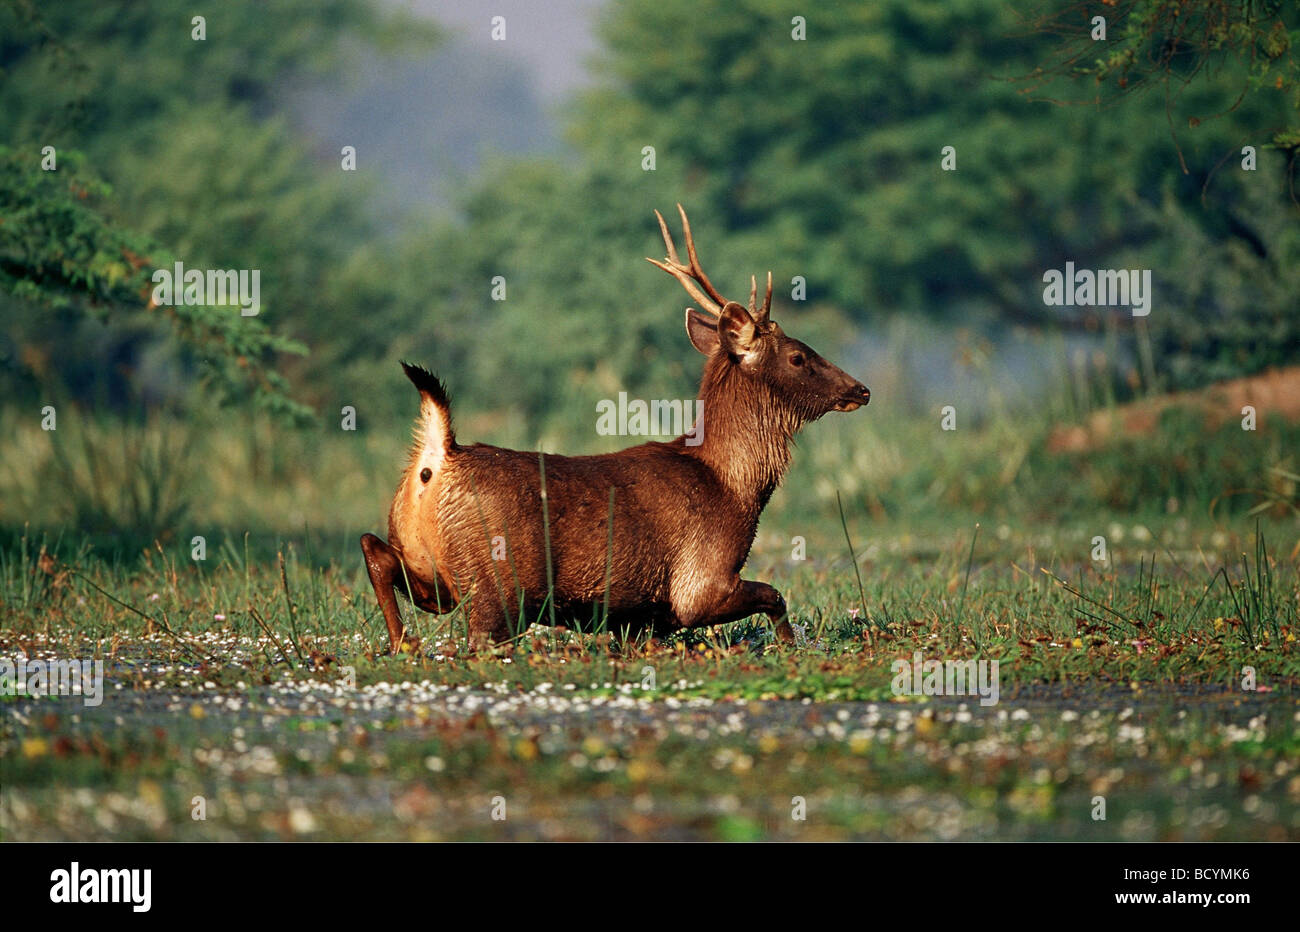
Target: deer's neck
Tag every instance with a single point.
(747, 433)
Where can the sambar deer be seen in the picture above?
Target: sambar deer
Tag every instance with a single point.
(513, 534)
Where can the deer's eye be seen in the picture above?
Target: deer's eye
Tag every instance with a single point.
(796, 359)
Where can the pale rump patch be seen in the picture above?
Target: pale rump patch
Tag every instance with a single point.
(413, 520)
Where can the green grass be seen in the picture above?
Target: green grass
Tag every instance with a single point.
(1050, 615)
(227, 681)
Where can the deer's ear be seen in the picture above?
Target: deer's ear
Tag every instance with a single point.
(703, 331)
(737, 331)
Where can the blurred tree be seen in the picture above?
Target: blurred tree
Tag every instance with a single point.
(1173, 43)
(62, 258)
(200, 170)
(823, 158)
(1231, 257)
(819, 157)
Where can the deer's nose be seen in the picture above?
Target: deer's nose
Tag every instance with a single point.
(861, 391)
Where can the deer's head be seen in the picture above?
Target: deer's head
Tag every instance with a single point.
(748, 341)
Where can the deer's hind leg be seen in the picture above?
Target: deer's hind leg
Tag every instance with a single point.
(389, 575)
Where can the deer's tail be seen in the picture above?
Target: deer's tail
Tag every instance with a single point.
(433, 431)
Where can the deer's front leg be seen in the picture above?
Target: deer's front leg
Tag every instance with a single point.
(742, 599)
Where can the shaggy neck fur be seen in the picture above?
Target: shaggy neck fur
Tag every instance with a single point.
(747, 431)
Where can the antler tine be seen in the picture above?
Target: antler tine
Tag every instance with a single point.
(691, 276)
(753, 295)
(696, 269)
(668, 240)
(767, 300)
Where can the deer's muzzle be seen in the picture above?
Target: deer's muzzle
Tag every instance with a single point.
(854, 398)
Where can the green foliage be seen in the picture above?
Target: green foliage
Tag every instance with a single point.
(821, 158)
(1232, 309)
(818, 158)
(200, 172)
(831, 147)
(1173, 43)
(59, 253)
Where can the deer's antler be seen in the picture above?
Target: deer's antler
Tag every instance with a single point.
(693, 278)
(760, 314)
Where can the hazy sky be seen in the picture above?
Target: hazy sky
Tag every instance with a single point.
(423, 125)
(551, 38)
